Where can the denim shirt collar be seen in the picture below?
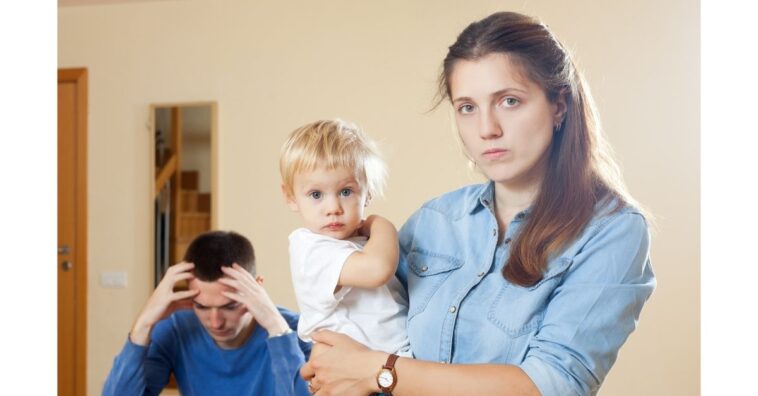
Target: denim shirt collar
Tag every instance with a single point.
(485, 198)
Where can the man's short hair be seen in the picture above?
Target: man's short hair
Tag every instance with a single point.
(215, 249)
(333, 144)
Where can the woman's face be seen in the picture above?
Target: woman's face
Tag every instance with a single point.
(505, 120)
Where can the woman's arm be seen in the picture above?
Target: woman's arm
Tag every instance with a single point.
(349, 368)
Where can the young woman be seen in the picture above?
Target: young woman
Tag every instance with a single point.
(531, 282)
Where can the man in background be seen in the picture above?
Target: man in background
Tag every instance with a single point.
(222, 336)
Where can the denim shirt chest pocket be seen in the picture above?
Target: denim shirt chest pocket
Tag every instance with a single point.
(518, 310)
(428, 271)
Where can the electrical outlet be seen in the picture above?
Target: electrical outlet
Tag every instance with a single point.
(115, 280)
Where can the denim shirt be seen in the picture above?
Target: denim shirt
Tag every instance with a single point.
(564, 332)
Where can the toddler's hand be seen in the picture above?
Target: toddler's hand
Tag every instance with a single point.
(365, 228)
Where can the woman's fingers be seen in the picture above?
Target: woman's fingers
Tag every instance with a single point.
(329, 337)
(307, 371)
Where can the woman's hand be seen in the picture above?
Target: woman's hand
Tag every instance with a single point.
(347, 368)
(346, 387)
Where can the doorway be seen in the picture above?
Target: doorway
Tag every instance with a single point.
(72, 231)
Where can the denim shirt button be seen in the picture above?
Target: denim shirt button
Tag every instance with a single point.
(452, 309)
(424, 268)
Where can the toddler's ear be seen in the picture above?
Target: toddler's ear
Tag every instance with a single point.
(289, 199)
(259, 280)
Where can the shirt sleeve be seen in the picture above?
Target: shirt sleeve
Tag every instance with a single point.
(288, 354)
(138, 370)
(317, 264)
(594, 309)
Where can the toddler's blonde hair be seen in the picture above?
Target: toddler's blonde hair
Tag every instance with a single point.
(333, 144)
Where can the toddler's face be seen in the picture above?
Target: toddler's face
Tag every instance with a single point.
(330, 201)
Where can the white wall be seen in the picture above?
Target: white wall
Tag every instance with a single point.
(273, 66)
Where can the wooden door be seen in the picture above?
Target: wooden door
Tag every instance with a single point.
(72, 231)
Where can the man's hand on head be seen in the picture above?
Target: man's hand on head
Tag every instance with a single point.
(163, 302)
(249, 291)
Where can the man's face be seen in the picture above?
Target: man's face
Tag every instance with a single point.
(225, 319)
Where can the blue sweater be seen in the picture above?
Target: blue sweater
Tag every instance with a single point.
(180, 344)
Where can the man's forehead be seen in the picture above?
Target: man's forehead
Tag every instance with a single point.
(211, 293)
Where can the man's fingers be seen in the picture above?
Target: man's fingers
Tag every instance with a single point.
(182, 295)
(233, 283)
(242, 285)
(329, 337)
(180, 267)
(234, 296)
(235, 271)
(183, 276)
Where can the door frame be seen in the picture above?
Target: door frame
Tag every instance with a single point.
(214, 167)
(78, 76)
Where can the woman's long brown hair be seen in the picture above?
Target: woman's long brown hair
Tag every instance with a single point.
(581, 172)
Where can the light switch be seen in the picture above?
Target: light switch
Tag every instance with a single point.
(113, 279)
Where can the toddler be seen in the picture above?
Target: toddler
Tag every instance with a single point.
(343, 266)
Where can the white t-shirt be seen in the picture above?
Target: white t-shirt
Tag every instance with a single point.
(373, 317)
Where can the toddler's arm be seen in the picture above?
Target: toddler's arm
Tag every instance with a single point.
(376, 264)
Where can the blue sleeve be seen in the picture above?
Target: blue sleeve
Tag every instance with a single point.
(288, 353)
(138, 370)
(594, 309)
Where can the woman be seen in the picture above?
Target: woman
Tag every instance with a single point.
(542, 272)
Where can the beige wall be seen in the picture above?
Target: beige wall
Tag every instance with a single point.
(273, 66)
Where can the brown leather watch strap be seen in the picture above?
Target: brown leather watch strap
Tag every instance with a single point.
(391, 359)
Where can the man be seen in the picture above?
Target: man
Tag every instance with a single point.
(234, 341)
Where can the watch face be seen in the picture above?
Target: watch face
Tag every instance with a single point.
(385, 379)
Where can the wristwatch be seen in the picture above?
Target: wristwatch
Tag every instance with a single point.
(387, 376)
(285, 332)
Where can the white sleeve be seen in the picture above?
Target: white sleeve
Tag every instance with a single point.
(317, 262)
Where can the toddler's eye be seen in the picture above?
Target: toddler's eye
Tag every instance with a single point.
(315, 194)
(346, 192)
